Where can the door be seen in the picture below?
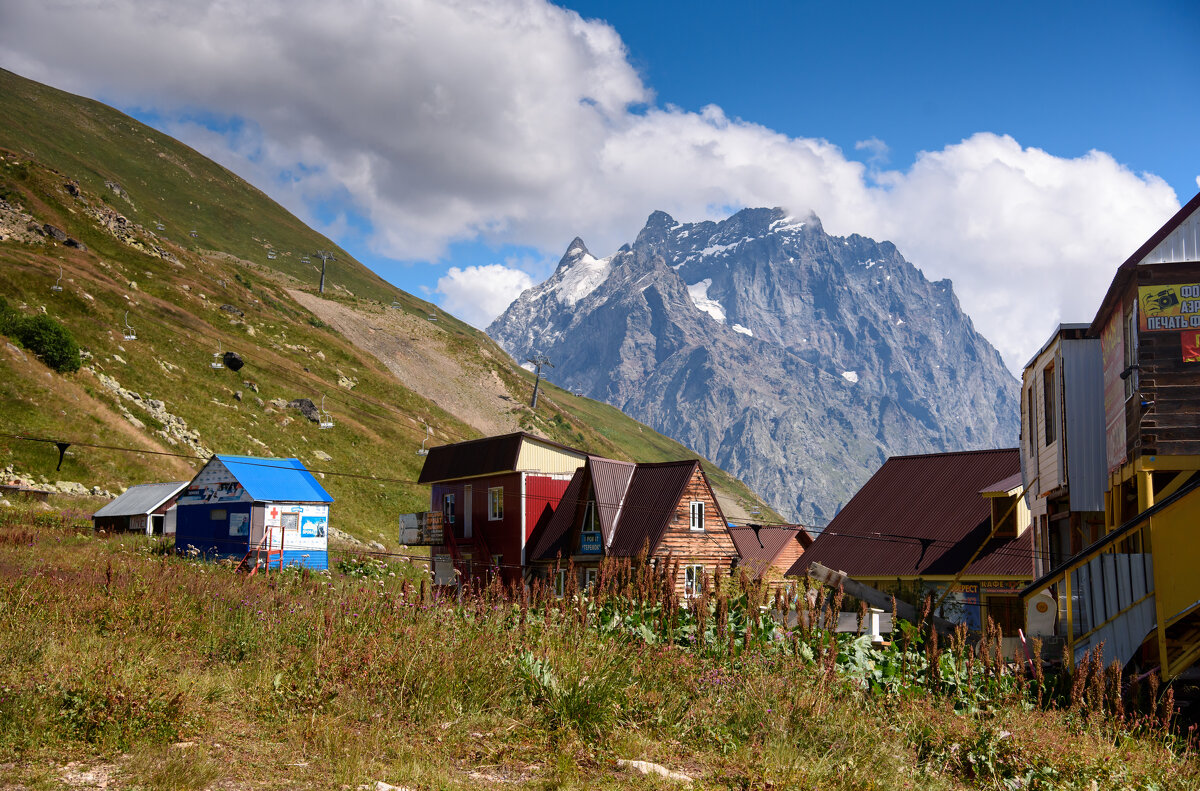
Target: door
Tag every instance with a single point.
(468, 510)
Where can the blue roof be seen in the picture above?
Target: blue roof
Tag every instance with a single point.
(276, 480)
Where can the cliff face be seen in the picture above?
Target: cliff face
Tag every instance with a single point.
(797, 360)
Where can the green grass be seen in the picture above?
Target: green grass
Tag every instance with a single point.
(48, 138)
(181, 674)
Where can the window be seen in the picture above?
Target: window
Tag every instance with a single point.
(560, 583)
(495, 503)
(697, 514)
(1048, 403)
(218, 514)
(693, 580)
(290, 521)
(590, 577)
(1030, 422)
(497, 561)
(448, 509)
(589, 516)
(1131, 353)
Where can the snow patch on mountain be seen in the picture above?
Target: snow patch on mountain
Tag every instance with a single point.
(850, 376)
(582, 277)
(699, 294)
(743, 330)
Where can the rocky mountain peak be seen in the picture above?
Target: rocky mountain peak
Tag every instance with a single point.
(797, 360)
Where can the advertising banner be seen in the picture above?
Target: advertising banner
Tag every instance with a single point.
(589, 542)
(1167, 308)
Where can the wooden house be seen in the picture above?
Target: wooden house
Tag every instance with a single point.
(951, 523)
(487, 497)
(238, 504)
(146, 508)
(1133, 594)
(1149, 330)
(1062, 441)
(769, 551)
(618, 509)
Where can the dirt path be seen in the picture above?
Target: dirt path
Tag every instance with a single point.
(416, 353)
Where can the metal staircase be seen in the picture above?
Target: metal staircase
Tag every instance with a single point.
(266, 551)
(1136, 586)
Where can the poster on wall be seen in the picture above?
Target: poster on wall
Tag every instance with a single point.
(1112, 351)
(239, 525)
(1190, 341)
(312, 527)
(1166, 308)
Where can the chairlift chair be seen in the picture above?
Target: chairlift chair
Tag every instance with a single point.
(423, 451)
(305, 259)
(271, 254)
(193, 234)
(326, 419)
(433, 317)
(57, 286)
(160, 226)
(395, 305)
(130, 335)
(216, 364)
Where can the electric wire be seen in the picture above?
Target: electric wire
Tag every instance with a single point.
(927, 542)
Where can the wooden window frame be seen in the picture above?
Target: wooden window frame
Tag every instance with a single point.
(559, 581)
(694, 523)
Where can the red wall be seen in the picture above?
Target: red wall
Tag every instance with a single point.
(504, 536)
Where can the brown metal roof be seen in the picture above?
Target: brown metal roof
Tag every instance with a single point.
(922, 516)
(763, 548)
(636, 503)
(1125, 270)
(610, 483)
(650, 502)
(476, 457)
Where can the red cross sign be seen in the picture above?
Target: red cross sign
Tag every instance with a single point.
(274, 512)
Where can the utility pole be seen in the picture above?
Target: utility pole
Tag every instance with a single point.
(325, 256)
(537, 360)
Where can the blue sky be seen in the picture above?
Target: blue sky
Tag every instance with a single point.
(1022, 150)
(1064, 77)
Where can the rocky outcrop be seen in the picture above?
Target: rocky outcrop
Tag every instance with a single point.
(796, 360)
(174, 431)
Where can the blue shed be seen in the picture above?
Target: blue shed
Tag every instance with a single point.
(236, 504)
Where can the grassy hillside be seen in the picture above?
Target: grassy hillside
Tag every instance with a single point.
(148, 671)
(107, 182)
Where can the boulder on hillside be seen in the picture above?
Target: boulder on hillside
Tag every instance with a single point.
(233, 361)
(55, 233)
(306, 407)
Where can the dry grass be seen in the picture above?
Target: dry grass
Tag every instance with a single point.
(112, 653)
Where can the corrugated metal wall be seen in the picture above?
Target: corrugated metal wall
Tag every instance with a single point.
(1182, 244)
(1083, 378)
(535, 457)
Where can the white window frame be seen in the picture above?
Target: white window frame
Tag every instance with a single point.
(448, 508)
(590, 577)
(696, 515)
(589, 516)
(495, 503)
(693, 579)
(560, 583)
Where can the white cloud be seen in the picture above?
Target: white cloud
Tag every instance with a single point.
(877, 150)
(479, 294)
(521, 123)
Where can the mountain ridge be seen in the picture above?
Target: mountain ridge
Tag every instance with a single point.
(741, 337)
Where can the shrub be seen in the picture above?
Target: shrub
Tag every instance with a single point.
(49, 340)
